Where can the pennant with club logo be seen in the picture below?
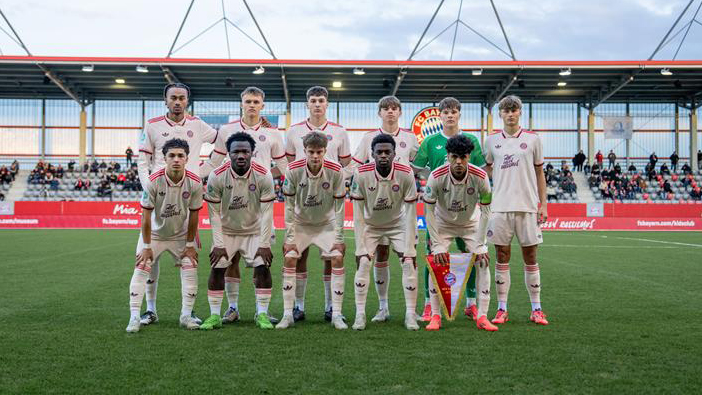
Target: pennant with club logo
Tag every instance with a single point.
(450, 280)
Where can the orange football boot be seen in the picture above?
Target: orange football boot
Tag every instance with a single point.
(484, 323)
(435, 323)
(501, 317)
(538, 316)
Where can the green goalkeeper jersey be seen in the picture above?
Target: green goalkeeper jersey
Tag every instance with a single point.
(432, 152)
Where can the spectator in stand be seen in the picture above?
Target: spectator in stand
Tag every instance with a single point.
(617, 169)
(699, 159)
(2, 196)
(586, 168)
(650, 171)
(116, 167)
(129, 154)
(664, 169)
(686, 169)
(5, 176)
(14, 169)
(121, 178)
(632, 168)
(696, 194)
(102, 166)
(652, 160)
(599, 158)
(104, 189)
(666, 187)
(578, 161)
(52, 181)
(642, 184)
(612, 157)
(687, 180)
(59, 172)
(86, 167)
(551, 193)
(596, 169)
(94, 167)
(71, 165)
(674, 158)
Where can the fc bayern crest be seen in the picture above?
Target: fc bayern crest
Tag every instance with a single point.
(186, 195)
(252, 187)
(262, 138)
(190, 133)
(523, 146)
(403, 144)
(329, 137)
(325, 185)
(395, 188)
(426, 123)
(470, 190)
(450, 279)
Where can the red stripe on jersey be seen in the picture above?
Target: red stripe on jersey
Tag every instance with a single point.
(540, 164)
(332, 165)
(214, 140)
(440, 171)
(196, 209)
(357, 161)
(211, 201)
(146, 208)
(528, 131)
(222, 168)
(334, 124)
(297, 163)
(157, 174)
(193, 176)
(401, 167)
(366, 168)
(278, 157)
(268, 200)
(148, 152)
(161, 118)
(258, 168)
(477, 171)
(344, 156)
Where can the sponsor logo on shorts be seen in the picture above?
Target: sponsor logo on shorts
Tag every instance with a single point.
(450, 279)
(523, 146)
(252, 187)
(190, 133)
(186, 195)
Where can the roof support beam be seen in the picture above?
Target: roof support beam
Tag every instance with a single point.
(660, 45)
(398, 81)
(624, 81)
(503, 88)
(503, 30)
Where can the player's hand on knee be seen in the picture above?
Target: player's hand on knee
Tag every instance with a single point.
(483, 260)
(216, 254)
(290, 247)
(341, 247)
(145, 257)
(190, 253)
(266, 254)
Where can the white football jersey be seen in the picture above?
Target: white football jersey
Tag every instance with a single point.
(514, 179)
(456, 200)
(269, 142)
(240, 197)
(406, 146)
(172, 204)
(384, 197)
(314, 194)
(161, 129)
(338, 146)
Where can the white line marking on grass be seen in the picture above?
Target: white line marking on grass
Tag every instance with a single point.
(605, 246)
(658, 241)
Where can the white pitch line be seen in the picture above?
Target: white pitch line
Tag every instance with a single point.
(658, 241)
(604, 246)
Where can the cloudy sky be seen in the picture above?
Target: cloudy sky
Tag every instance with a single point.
(358, 29)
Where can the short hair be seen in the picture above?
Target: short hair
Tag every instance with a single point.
(253, 90)
(240, 136)
(389, 101)
(382, 138)
(449, 103)
(317, 91)
(510, 103)
(175, 85)
(460, 145)
(176, 143)
(314, 140)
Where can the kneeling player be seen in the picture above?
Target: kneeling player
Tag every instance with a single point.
(314, 214)
(384, 197)
(170, 203)
(240, 204)
(451, 196)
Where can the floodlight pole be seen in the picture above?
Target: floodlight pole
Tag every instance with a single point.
(660, 45)
(503, 29)
(180, 29)
(425, 29)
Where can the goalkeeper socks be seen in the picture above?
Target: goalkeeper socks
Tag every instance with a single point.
(381, 273)
(409, 284)
(361, 281)
(151, 288)
(532, 280)
(288, 290)
(327, 291)
(188, 286)
(337, 287)
(214, 298)
(136, 289)
(263, 299)
(502, 283)
(300, 287)
(231, 287)
(483, 287)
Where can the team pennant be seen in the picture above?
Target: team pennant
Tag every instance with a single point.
(450, 279)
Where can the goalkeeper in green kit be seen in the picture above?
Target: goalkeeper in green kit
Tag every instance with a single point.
(432, 154)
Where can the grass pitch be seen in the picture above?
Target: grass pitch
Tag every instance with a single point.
(624, 310)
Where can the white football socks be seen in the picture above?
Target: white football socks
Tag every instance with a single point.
(409, 285)
(502, 283)
(361, 281)
(188, 286)
(231, 287)
(263, 299)
(381, 274)
(326, 279)
(151, 288)
(214, 298)
(337, 287)
(482, 288)
(434, 300)
(532, 280)
(136, 289)
(288, 290)
(300, 288)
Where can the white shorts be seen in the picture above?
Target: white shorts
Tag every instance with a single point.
(448, 233)
(367, 243)
(174, 247)
(503, 226)
(324, 237)
(246, 245)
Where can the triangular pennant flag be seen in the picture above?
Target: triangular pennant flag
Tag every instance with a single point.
(450, 279)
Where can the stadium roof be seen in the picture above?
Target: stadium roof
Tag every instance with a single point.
(590, 82)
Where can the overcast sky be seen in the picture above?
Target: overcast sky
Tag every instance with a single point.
(358, 29)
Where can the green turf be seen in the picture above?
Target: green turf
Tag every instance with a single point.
(624, 310)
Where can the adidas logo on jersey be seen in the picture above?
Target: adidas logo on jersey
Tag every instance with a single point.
(162, 193)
